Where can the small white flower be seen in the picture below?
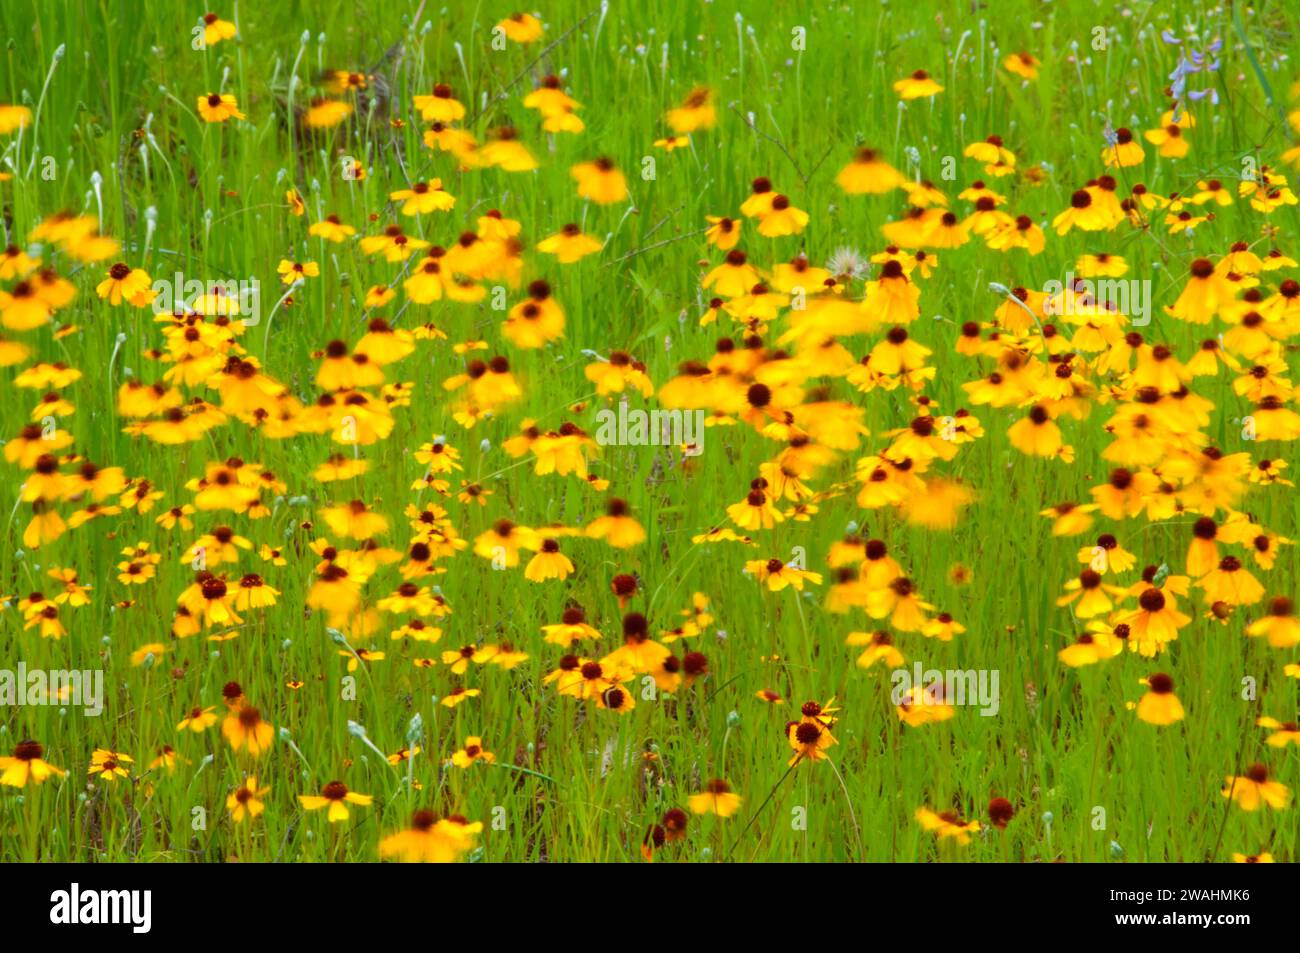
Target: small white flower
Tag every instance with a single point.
(848, 262)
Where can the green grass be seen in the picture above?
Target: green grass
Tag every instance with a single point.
(570, 782)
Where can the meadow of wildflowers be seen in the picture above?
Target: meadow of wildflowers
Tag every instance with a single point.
(675, 432)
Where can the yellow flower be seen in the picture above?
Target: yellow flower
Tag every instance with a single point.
(167, 758)
(506, 152)
(617, 527)
(153, 651)
(669, 143)
(1092, 596)
(696, 112)
(922, 705)
(778, 575)
(1024, 65)
(424, 197)
(716, 798)
(1090, 648)
(355, 521)
(947, 824)
(473, 751)
(782, 219)
(458, 695)
(869, 174)
(336, 797)
(27, 764)
(879, 648)
(291, 271)
(246, 800)
(1168, 140)
(1160, 706)
(216, 29)
(378, 296)
(14, 117)
(245, 729)
(360, 655)
(125, 283)
(1231, 583)
(1124, 152)
(109, 765)
(600, 181)
(1280, 625)
(218, 107)
(1284, 732)
(917, 85)
(1254, 788)
(521, 28)
(332, 229)
(198, 720)
(549, 563)
(431, 839)
(809, 739)
(327, 113)
(569, 244)
(440, 106)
